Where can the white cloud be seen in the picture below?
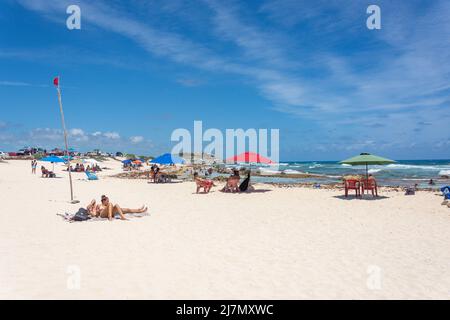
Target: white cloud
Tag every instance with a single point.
(21, 84)
(14, 83)
(77, 132)
(78, 138)
(112, 135)
(275, 63)
(136, 139)
(46, 134)
(189, 82)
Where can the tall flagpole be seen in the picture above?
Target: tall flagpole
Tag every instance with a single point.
(56, 82)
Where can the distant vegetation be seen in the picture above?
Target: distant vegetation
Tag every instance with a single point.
(38, 156)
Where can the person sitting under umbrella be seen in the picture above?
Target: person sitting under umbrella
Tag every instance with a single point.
(155, 173)
(46, 173)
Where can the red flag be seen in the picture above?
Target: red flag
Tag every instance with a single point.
(56, 81)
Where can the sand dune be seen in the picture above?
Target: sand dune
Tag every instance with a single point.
(291, 243)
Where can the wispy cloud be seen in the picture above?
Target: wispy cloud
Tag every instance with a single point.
(265, 57)
(79, 138)
(21, 84)
(189, 82)
(136, 139)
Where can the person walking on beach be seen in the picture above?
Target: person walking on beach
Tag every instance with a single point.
(33, 166)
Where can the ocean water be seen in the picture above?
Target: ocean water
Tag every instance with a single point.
(402, 173)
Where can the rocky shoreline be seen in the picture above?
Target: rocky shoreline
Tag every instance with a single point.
(143, 175)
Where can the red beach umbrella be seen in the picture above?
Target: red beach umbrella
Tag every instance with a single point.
(249, 157)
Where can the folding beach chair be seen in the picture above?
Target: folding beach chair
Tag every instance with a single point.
(91, 176)
(232, 184)
(205, 184)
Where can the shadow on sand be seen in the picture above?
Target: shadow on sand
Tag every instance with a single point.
(364, 197)
(245, 192)
(249, 191)
(257, 191)
(168, 182)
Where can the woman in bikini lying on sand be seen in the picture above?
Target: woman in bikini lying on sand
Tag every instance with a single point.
(107, 210)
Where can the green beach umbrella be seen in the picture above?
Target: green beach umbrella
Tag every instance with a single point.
(366, 159)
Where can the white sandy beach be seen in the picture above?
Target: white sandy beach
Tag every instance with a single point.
(286, 243)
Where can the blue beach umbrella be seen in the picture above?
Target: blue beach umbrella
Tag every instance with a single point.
(53, 160)
(168, 158)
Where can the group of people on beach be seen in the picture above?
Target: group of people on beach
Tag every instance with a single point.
(157, 176)
(81, 168)
(154, 173)
(78, 168)
(132, 166)
(232, 185)
(105, 209)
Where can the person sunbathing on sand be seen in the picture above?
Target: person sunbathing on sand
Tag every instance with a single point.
(93, 208)
(108, 210)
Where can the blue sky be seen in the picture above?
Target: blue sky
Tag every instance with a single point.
(137, 70)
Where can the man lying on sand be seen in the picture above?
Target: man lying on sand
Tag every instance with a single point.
(107, 210)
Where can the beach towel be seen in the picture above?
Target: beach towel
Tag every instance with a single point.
(446, 192)
(82, 215)
(91, 176)
(128, 216)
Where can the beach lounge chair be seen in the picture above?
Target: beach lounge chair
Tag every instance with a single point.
(370, 184)
(162, 177)
(47, 174)
(232, 184)
(159, 177)
(351, 184)
(205, 184)
(91, 176)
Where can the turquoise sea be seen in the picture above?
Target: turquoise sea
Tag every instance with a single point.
(402, 173)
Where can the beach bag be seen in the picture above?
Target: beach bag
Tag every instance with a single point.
(81, 215)
(410, 191)
(446, 192)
